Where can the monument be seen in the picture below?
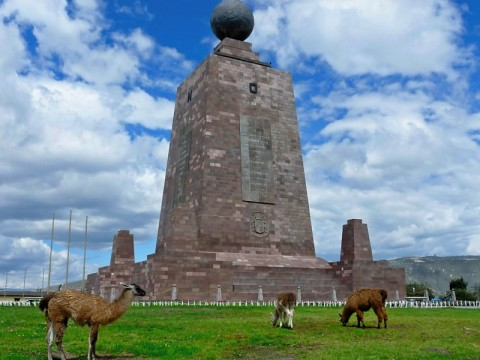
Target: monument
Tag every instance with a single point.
(235, 213)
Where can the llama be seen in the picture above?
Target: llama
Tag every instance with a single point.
(83, 309)
(284, 309)
(362, 300)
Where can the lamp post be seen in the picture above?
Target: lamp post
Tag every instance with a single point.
(6, 283)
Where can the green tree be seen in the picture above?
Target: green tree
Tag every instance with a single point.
(417, 289)
(476, 290)
(457, 284)
(461, 292)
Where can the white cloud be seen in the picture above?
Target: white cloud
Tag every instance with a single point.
(9, 61)
(66, 95)
(397, 145)
(386, 141)
(474, 243)
(363, 36)
(136, 9)
(140, 107)
(25, 261)
(54, 30)
(401, 160)
(138, 41)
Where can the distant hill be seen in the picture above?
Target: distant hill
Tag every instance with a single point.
(438, 271)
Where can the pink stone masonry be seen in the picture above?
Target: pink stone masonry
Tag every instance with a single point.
(235, 210)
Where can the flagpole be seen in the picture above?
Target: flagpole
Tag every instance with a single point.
(85, 252)
(6, 284)
(51, 248)
(43, 281)
(68, 248)
(24, 279)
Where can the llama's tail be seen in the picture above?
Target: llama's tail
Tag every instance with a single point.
(384, 295)
(43, 305)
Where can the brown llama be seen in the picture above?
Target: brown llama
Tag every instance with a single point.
(362, 300)
(284, 309)
(83, 309)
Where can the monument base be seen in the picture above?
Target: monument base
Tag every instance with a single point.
(199, 275)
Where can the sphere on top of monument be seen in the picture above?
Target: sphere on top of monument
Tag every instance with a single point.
(232, 19)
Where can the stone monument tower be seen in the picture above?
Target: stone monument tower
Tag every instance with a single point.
(235, 211)
(235, 181)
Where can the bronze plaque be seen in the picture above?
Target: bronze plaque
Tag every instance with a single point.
(257, 159)
(182, 165)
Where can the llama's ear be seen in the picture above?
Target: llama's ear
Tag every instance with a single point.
(124, 285)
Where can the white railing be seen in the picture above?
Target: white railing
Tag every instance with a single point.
(389, 304)
(18, 303)
(433, 304)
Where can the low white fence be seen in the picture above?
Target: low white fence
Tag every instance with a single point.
(389, 304)
(18, 303)
(433, 304)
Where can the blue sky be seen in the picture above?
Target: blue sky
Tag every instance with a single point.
(387, 99)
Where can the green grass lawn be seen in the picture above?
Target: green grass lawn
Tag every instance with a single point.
(202, 332)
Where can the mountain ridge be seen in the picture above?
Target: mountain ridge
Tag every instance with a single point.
(438, 271)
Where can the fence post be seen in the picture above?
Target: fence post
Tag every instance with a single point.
(260, 293)
(174, 292)
(112, 293)
(219, 293)
(299, 295)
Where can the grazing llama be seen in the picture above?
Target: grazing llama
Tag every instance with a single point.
(284, 309)
(362, 300)
(83, 309)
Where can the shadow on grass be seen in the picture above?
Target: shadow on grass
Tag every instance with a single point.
(56, 355)
(367, 327)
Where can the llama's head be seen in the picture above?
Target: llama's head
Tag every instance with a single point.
(137, 290)
(344, 323)
(289, 312)
(274, 318)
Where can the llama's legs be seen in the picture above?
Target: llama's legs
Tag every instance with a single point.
(49, 339)
(275, 317)
(290, 318)
(381, 316)
(360, 318)
(92, 341)
(59, 329)
(282, 318)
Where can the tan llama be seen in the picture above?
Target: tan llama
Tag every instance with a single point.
(284, 309)
(83, 309)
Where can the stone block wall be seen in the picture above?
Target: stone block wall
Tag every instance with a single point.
(235, 211)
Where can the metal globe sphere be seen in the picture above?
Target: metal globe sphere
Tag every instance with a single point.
(232, 19)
